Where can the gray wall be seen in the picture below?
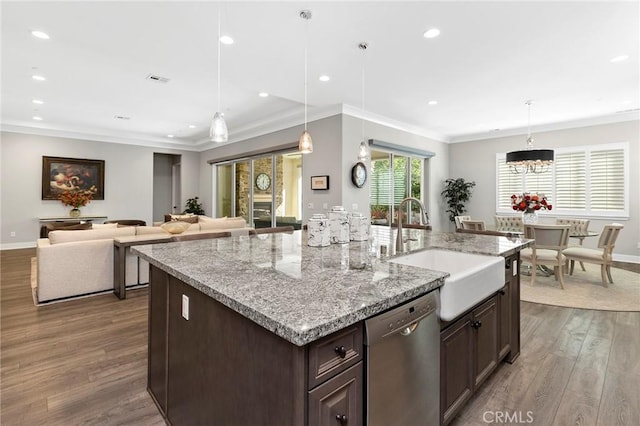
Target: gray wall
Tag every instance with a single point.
(434, 176)
(325, 160)
(128, 182)
(476, 161)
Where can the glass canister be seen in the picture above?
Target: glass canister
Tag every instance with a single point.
(339, 225)
(358, 227)
(318, 231)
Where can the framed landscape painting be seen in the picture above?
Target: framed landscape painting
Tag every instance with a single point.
(60, 174)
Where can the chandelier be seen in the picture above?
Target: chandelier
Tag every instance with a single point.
(530, 160)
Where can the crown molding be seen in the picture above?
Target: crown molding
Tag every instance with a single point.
(561, 125)
(61, 133)
(394, 124)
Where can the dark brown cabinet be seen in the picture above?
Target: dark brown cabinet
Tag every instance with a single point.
(468, 354)
(338, 402)
(219, 365)
(472, 345)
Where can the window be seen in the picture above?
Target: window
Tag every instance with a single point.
(590, 181)
(393, 178)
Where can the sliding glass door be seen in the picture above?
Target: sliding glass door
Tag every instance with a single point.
(393, 178)
(266, 190)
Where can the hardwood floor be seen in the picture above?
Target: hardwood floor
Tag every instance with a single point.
(85, 362)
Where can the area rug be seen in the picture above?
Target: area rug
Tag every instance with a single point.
(585, 290)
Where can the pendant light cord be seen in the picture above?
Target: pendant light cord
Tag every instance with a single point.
(363, 51)
(306, 46)
(219, 12)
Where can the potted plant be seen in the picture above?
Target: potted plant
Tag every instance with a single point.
(457, 192)
(193, 206)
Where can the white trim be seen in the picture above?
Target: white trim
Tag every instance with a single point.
(16, 246)
(95, 137)
(626, 258)
(562, 125)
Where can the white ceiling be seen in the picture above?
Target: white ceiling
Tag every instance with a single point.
(489, 59)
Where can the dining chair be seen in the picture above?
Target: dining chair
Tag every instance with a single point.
(459, 220)
(476, 225)
(509, 223)
(578, 228)
(547, 250)
(602, 256)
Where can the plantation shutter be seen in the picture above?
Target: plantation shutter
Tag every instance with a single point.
(509, 183)
(606, 174)
(571, 185)
(540, 183)
(380, 183)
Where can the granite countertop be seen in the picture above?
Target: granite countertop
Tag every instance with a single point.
(302, 293)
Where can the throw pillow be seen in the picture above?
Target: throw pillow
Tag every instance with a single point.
(175, 227)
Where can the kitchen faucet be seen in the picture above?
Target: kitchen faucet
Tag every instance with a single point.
(424, 220)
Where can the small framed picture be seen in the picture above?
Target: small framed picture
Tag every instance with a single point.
(320, 182)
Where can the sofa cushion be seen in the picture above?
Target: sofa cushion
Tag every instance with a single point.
(58, 237)
(104, 226)
(149, 230)
(44, 232)
(223, 223)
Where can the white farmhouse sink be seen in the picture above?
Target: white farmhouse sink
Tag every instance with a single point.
(473, 277)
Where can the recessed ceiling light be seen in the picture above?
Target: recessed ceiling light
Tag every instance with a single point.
(620, 58)
(192, 126)
(35, 117)
(433, 102)
(225, 39)
(263, 94)
(40, 34)
(324, 78)
(431, 33)
(170, 136)
(37, 101)
(38, 77)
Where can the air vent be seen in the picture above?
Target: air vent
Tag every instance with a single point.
(121, 117)
(157, 78)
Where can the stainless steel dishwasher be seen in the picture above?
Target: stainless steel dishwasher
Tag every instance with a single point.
(403, 365)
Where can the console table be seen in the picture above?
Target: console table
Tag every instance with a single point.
(121, 246)
(50, 219)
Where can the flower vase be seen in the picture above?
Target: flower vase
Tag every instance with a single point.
(530, 217)
(75, 212)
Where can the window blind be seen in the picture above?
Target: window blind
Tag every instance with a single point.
(571, 181)
(606, 174)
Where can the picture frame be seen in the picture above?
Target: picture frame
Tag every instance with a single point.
(320, 182)
(61, 173)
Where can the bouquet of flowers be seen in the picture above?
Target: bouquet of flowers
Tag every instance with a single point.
(529, 202)
(77, 197)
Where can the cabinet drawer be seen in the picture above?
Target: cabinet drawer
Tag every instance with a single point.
(334, 353)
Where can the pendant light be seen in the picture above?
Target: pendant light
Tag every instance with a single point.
(530, 160)
(218, 131)
(305, 144)
(364, 153)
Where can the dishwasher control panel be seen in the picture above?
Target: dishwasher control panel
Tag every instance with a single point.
(401, 317)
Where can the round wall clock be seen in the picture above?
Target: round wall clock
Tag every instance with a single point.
(359, 174)
(263, 181)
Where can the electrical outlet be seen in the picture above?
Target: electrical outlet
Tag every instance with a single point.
(325, 206)
(13, 234)
(309, 205)
(185, 307)
(354, 206)
(638, 244)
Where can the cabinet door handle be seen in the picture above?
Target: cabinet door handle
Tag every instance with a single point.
(501, 292)
(341, 351)
(342, 419)
(476, 324)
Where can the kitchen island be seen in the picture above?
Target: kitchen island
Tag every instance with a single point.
(266, 330)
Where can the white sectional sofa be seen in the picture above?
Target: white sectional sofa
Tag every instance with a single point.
(80, 262)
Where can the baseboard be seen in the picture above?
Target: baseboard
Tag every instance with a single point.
(626, 258)
(16, 246)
